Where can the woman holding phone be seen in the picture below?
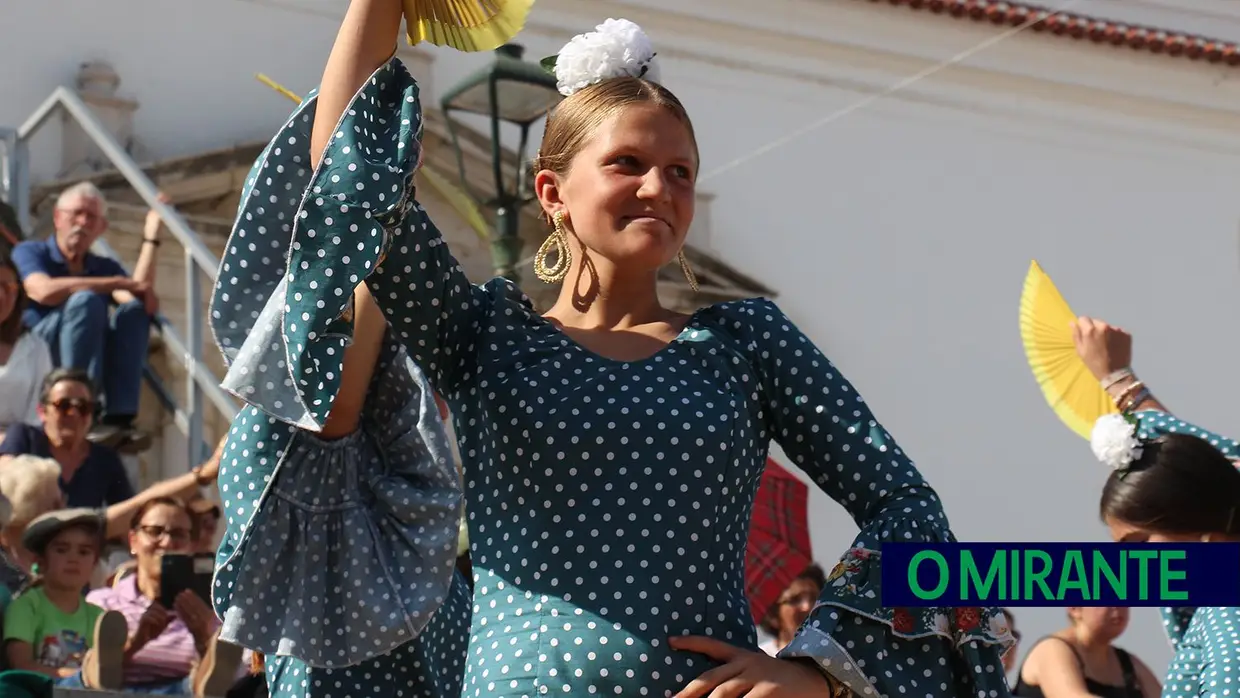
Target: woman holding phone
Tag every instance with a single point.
(168, 651)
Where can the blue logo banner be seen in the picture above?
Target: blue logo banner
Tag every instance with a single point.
(1060, 574)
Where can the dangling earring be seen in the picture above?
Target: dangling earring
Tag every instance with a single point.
(689, 275)
(558, 239)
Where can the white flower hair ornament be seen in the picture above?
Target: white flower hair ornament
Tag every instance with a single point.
(1114, 441)
(616, 48)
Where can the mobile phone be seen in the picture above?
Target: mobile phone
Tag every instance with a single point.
(179, 572)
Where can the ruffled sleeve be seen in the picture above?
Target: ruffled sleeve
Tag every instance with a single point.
(336, 552)
(827, 430)
(304, 238)
(1152, 424)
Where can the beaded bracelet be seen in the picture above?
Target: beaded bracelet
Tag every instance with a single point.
(1141, 396)
(1128, 392)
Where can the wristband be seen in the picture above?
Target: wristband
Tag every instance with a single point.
(1114, 377)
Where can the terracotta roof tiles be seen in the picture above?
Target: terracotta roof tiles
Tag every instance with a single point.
(1084, 28)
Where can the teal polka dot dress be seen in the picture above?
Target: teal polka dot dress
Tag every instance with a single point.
(1206, 640)
(608, 501)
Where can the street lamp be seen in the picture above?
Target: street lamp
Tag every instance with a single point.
(517, 92)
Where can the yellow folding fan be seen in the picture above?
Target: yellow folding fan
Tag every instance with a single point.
(465, 25)
(1046, 330)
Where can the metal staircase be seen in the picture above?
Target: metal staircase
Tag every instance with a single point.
(201, 384)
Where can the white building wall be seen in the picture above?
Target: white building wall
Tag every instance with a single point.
(897, 235)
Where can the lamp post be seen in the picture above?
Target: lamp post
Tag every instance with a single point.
(514, 91)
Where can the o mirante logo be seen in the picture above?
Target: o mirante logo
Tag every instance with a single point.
(1060, 574)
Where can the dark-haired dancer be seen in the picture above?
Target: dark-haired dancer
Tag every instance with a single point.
(1170, 481)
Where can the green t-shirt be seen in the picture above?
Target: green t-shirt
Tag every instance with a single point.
(59, 639)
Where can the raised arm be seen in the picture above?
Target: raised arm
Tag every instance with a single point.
(366, 40)
(333, 193)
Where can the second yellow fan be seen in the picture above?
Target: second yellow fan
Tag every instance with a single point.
(1046, 331)
(465, 25)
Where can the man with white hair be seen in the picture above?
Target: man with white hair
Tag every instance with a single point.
(91, 313)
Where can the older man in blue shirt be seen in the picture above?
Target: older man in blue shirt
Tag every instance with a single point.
(91, 313)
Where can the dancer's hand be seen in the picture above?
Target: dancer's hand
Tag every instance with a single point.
(746, 673)
(1103, 348)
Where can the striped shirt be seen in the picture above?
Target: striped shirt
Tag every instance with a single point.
(168, 657)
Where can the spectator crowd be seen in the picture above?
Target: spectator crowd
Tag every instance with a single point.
(82, 553)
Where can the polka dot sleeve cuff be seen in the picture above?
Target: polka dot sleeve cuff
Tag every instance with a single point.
(828, 431)
(303, 240)
(338, 552)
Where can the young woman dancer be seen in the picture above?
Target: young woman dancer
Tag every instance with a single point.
(611, 447)
(1171, 481)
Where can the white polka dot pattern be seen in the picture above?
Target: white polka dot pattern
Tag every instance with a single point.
(429, 667)
(1150, 425)
(1207, 658)
(361, 531)
(609, 501)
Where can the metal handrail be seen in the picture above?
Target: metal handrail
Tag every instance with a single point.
(200, 381)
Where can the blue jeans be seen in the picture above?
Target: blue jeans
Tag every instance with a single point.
(177, 687)
(110, 346)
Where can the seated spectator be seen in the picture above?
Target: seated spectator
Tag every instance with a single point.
(167, 651)
(32, 487)
(12, 577)
(1082, 660)
(91, 474)
(49, 627)
(792, 608)
(24, 357)
(71, 290)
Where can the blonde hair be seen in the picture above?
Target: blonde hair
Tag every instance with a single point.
(87, 191)
(572, 123)
(32, 486)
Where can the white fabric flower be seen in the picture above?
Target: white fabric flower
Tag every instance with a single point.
(1114, 441)
(616, 48)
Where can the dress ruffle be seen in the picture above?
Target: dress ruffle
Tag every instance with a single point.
(305, 233)
(432, 666)
(351, 546)
(360, 534)
(854, 638)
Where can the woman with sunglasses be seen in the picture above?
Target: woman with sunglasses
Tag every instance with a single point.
(24, 357)
(91, 474)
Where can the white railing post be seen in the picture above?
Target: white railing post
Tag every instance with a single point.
(199, 382)
(193, 336)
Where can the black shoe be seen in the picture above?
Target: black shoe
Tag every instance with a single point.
(124, 439)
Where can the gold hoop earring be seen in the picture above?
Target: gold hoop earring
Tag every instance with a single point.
(689, 275)
(557, 241)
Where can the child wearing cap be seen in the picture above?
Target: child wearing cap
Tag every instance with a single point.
(50, 627)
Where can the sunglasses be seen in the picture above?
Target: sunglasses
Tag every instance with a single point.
(71, 406)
